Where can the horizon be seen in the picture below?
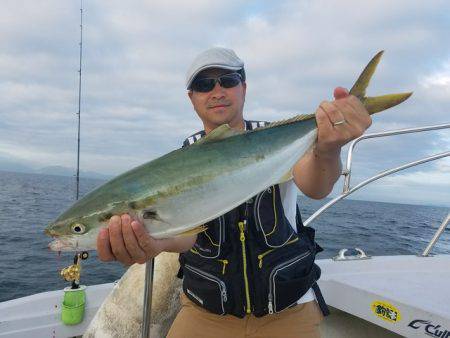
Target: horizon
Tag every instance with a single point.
(300, 194)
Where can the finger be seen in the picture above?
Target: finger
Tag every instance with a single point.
(324, 124)
(360, 110)
(357, 117)
(150, 246)
(103, 246)
(340, 93)
(355, 126)
(337, 112)
(333, 112)
(116, 238)
(131, 243)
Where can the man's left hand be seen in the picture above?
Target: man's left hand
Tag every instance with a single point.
(339, 122)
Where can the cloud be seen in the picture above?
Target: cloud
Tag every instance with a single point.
(134, 105)
(439, 79)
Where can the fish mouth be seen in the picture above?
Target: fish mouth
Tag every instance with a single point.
(85, 242)
(60, 243)
(63, 244)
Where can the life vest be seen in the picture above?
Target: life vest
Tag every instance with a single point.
(251, 260)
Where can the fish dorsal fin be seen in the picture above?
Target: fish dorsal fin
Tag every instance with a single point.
(301, 117)
(220, 133)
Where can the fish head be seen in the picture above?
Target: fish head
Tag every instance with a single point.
(74, 234)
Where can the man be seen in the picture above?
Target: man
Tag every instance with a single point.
(252, 273)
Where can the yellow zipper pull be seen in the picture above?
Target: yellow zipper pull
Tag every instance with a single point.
(224, 262)
(241, 228)
(260, 257)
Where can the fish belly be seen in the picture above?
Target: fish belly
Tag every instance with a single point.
(210, 200)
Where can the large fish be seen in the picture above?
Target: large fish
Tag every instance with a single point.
(180, 191)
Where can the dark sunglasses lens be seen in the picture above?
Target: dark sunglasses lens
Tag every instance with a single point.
(203, 85)
(229, 80)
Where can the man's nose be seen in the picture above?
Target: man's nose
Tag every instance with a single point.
(218, 91)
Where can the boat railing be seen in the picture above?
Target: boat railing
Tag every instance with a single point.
(347, 191)
(347, 171)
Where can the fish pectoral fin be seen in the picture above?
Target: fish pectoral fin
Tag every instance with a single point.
(220, 133)
(194, 231)
(142, 203)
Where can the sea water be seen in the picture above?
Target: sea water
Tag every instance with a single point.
(28, 202)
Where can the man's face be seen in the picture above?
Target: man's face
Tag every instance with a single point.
(220, 105)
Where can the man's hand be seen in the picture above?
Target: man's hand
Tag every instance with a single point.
(339, 122)
(128, 242)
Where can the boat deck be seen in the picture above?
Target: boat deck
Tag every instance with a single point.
(39, 315)
(407, 295)
(391, 291)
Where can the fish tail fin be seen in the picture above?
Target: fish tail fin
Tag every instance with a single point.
(377, 103)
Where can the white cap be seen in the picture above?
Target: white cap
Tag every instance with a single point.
(216, 57)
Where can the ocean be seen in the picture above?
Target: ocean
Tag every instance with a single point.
(29, 201)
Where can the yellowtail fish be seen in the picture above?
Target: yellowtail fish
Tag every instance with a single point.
(179, 192)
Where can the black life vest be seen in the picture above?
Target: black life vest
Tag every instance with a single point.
(250, 260)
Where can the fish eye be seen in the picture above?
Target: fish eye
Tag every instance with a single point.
(78, 228)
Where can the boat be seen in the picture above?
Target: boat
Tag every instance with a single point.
(378, 296)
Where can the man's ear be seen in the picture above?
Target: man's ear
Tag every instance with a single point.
(190, 94)
(244, 87)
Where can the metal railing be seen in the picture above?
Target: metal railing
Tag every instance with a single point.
(436, 236)
(148, 293)
(347, 190)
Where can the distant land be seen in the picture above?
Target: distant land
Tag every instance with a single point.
(10, 166)
(64, 171)
(49, 170)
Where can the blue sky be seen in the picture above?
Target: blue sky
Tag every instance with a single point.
(135, 107)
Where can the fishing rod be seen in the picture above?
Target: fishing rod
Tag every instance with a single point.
(147, 301)
(74, 300)
(79, 102)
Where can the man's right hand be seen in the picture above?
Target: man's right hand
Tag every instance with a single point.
(128, 242)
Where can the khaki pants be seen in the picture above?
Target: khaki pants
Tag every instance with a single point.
(194, 322)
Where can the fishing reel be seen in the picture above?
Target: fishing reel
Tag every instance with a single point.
(72, 272)
(74, 301)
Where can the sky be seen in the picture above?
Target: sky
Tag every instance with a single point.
(134, 107)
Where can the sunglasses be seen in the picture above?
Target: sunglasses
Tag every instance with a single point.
(204, 85)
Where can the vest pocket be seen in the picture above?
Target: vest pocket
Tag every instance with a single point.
(289, 281)
(271, 224)
(205, 290)
(209, 243)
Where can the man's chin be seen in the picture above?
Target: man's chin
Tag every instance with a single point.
(220, 116)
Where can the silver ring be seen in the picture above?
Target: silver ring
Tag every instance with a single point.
(339, 122)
